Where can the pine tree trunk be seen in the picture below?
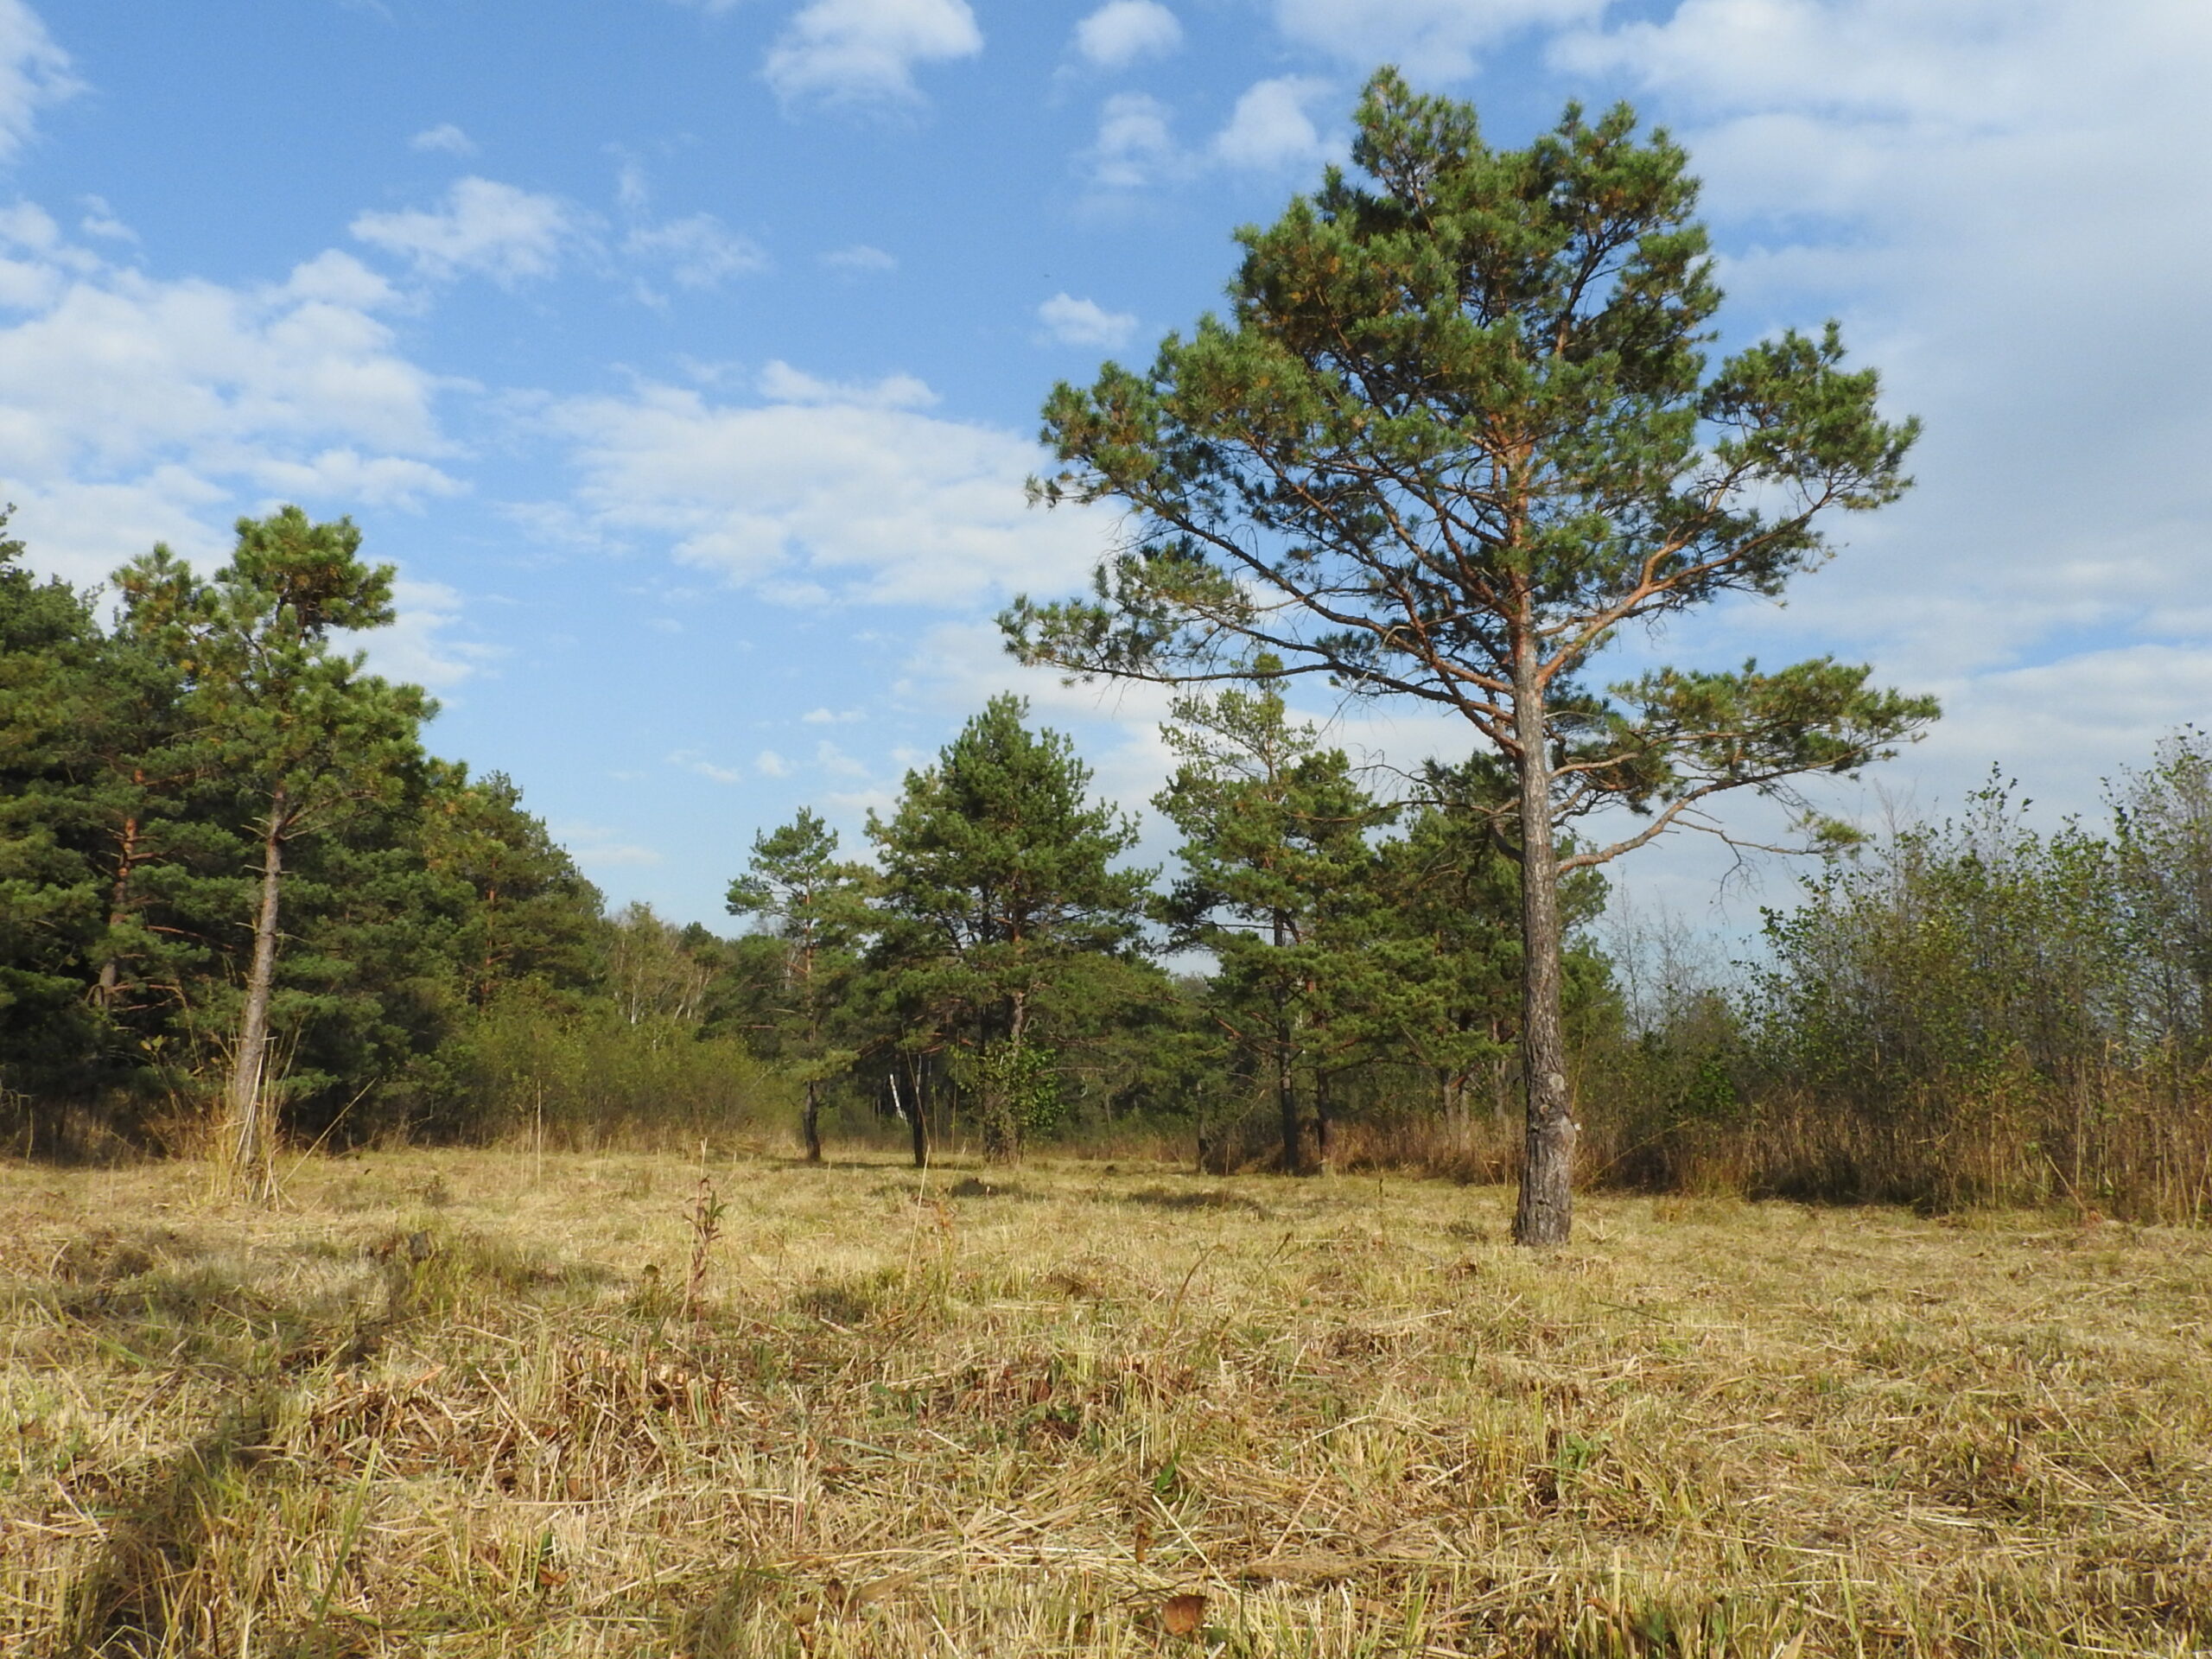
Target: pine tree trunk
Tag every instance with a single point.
(1545, 1215)
(118, 911)
(1293, 1135)
(811, 1121)
(1001, 1113)
(248, 1094)
(917, 1118)
(1325, 1124)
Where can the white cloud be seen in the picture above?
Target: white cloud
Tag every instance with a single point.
(866, 51)
(700, 251)
(781, 383)
(769, 764)
(1270, 128)
(416, 647)
(833, 717)
(1986, 189)
(859, 257)
(1121, 32)
(1431, 40)
(691, 761)
(339, 279)
(829, 758)
(446, 139)
(485, 228)
(1084, 322)
(133, 409)
(100, 220)
(1135, 145)
(596, 846)
(826, 493)
(34, 74)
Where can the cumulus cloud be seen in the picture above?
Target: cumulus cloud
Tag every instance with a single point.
(1433, 40)
(34, 74)
(866, 51)
(485, 228)
(133, 409)
(420, 646)
(823, 491)
(446, 139)
(1135, 146)
(1270, 128)
(1084, 322)
(1122, 32)
(769, 764)
(1984, 189)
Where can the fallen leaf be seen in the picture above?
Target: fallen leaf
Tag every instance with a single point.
(1182, 1615)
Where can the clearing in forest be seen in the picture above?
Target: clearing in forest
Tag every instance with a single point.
(471, 1403)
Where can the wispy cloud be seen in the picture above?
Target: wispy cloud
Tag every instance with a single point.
(484, 228)
(692, 761)
(445, 139)
(823, 491)
(859, 258)
(34, 72)
(698, 252)
(1435, 40)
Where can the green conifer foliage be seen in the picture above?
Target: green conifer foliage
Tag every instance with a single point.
(305, 740)
(998, 881)
(1278, 884)
(1458, 430)
(818, 906)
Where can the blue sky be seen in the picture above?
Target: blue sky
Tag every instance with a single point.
(685, 354)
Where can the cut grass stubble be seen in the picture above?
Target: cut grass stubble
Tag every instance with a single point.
(437, 1404)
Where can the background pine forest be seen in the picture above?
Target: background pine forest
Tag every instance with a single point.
(1955, 1013)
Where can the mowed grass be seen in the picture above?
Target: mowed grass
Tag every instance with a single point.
(457, 1404)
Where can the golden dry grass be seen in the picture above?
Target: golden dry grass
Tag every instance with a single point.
(441, 1403)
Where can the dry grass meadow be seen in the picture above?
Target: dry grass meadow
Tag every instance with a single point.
(467, 1403)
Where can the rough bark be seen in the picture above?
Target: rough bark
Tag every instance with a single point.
(119, 910)
(1293, 1137)
(811, 1121)
(1545, 1214)
(1001, 1113)
(1294, 1132)
(248, 1091)
(917, 1120)
(1325, 1124)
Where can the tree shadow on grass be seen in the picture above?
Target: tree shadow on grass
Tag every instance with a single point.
(1160, 1198)
(127, 1603)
